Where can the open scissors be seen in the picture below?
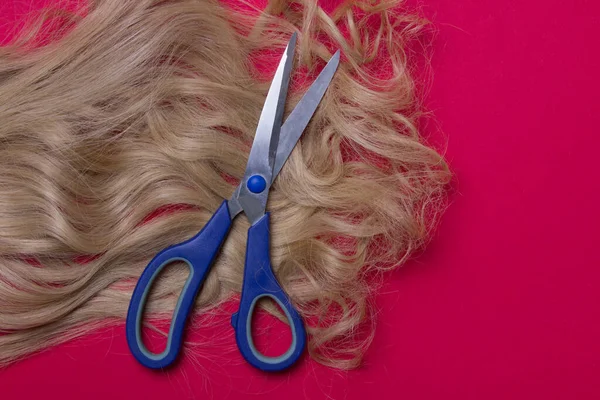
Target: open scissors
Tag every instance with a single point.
(267, 156)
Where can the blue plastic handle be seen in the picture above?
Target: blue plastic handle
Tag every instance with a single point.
(259, 282)
(199, 253)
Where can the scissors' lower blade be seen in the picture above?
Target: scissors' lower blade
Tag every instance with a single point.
(263, 151)
(298, 119)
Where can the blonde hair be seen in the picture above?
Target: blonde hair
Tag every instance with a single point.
(142, 107)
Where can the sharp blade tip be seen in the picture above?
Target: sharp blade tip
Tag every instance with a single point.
(333, 62)
(292, 43)
(336, 56)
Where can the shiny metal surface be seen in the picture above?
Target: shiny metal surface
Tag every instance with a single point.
(266, 140)
(233, 204)
(298, 119)
(274, 141)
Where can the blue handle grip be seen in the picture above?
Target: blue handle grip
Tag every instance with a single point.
(259, 282)
(198, 252)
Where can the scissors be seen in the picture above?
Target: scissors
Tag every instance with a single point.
(267, 156)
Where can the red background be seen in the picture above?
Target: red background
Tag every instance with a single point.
(505, 302)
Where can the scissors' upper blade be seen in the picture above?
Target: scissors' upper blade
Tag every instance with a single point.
(254, 188)
(298, 119)
(264, 147)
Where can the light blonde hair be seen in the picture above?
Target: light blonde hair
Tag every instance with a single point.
(146, 105)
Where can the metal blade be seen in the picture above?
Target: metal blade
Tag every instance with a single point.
(299, 118)
(264, 148)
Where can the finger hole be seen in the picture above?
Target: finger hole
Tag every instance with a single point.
(160, 305)
(271, 332)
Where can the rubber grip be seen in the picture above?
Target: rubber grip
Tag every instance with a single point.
(199, 253)
(259, 282)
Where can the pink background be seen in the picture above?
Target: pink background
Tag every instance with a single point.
(505, 301)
